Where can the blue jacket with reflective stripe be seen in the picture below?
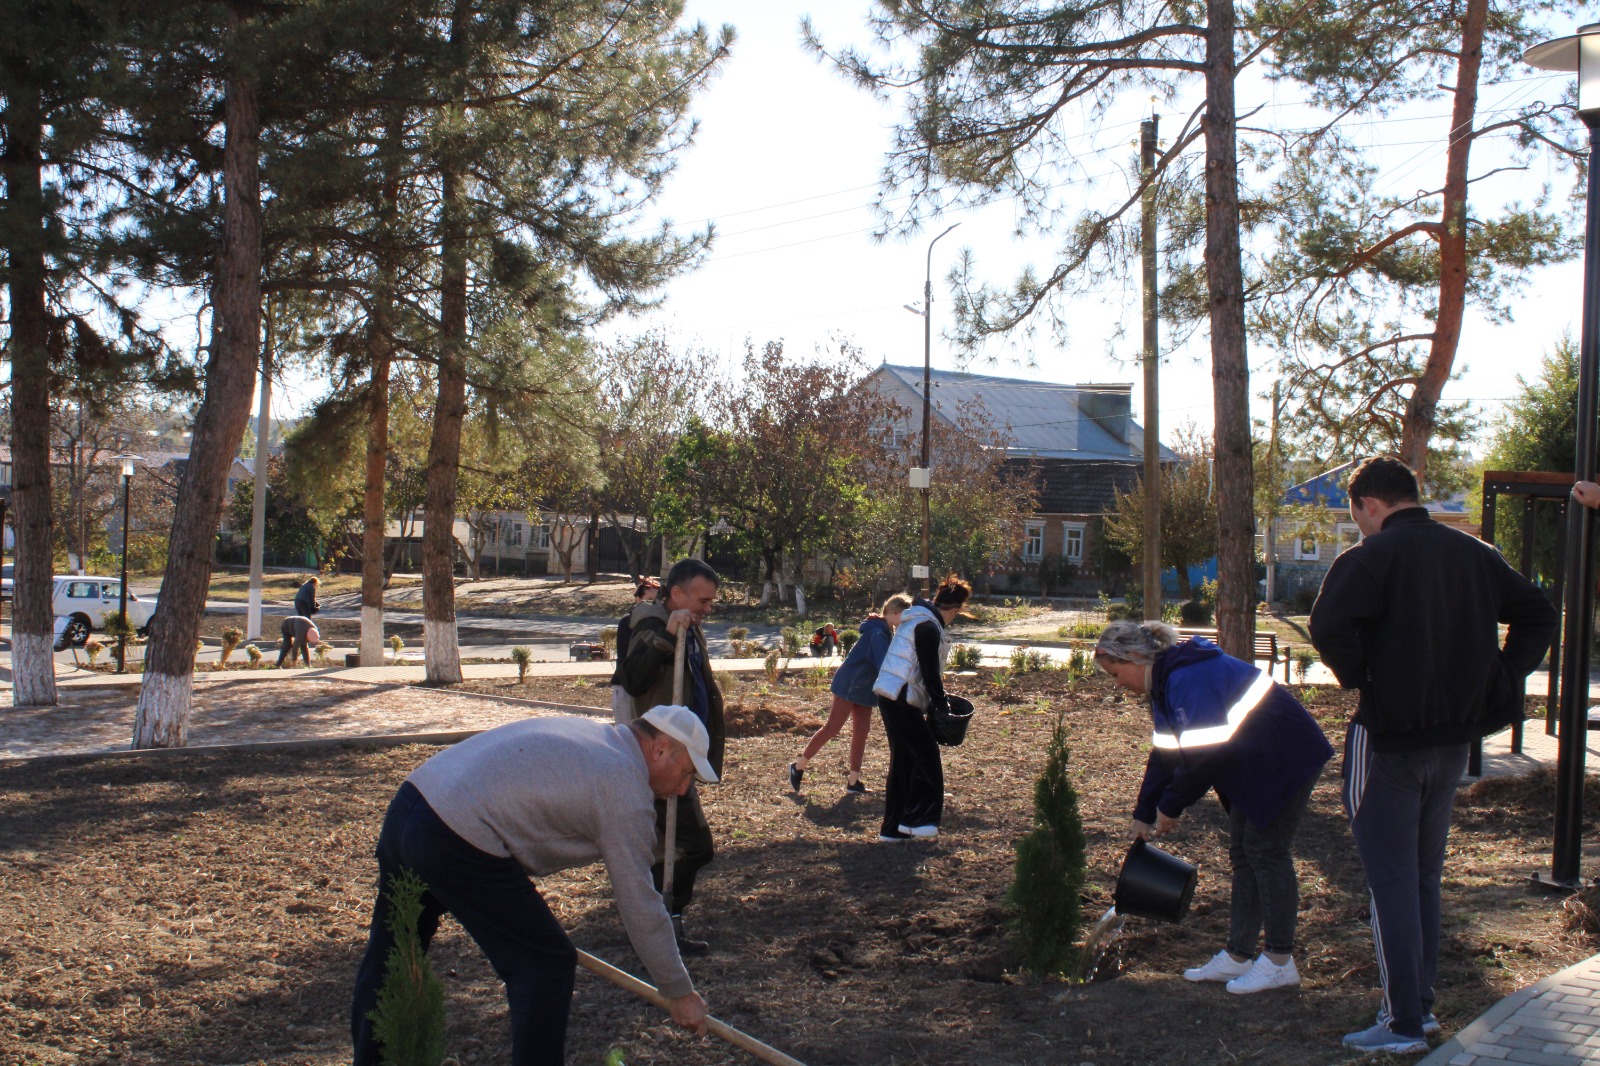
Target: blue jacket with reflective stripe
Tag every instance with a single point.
(1220, 723)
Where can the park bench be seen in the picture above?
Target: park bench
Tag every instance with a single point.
(1266, 647)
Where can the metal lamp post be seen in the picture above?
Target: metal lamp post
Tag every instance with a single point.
(122, 600)
(921, 477)
(1580, 52)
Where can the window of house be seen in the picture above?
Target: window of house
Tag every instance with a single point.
(1305, 548)
(1349, 535)
(516, 534)
(1072, 542)
(542, 540)
(898, 437)
(1033, 542)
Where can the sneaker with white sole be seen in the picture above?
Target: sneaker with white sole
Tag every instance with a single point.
(1382, 1038)
(921, 832)
(1264, 976)
(1430, 1024)
(1222, 967)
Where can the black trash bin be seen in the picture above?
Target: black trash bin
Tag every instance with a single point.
(1154, 884)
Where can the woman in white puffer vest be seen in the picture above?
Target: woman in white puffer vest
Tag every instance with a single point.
(910, 684)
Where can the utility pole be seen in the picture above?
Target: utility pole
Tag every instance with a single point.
(258, 509)
(1151, 570)
(1270, 542)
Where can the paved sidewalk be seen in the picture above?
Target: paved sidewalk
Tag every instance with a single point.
(1553, 1023)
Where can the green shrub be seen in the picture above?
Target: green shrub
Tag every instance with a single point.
(1195, 613)
(1303, 658)
(323, 647)
(92, 648)
(792, 641)
(396, 643)
(523, 656)
(848, 638)
(1084, 630)
(1043, 898)
(738, 633)
(770, 665)
(252, 653)
(965, 657)
(608, 639)
(1019, 660)
(1080, 664)
(409, 1020)
(117, 626)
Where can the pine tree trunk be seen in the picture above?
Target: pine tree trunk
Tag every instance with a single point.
(1230, 371)
(162, 720)
(441, 647)
(1423, 407)
(33, 665)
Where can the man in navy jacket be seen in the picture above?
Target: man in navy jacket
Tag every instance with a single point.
(1410, 616)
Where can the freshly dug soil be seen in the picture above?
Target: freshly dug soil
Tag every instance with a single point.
(189, 908)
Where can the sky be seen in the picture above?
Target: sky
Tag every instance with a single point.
(787, 161)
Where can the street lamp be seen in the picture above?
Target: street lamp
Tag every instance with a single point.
(122, 601)
(1581, 53)
(920, 476)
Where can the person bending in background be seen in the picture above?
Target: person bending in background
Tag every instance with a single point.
(909, 687)
(1221, 723)
(299, 637)
(852, 694)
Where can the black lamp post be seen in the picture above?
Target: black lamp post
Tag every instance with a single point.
(1581, 53)
(921, 477)
(122, 600)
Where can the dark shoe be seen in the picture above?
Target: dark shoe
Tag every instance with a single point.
(686, 946)
(795, 774)
(857, 786)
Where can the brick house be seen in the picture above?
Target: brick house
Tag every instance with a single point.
(1081, 441)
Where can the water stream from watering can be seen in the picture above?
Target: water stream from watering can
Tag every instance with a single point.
(1099, 941)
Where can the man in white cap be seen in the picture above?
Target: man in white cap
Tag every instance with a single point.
(478, 820)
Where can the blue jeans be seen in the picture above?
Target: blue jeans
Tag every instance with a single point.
(500, 909)
(1266, 893)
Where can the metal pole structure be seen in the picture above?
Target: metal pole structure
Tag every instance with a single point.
(122, 596)
(1270, 534)
(1580, 53)
(926, 580)
(258, 509)
(1150, 571)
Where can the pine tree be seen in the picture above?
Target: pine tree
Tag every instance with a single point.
(409, 1020)
(1043, 897)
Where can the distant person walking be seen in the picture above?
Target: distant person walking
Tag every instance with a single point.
(1221, 723)
(622, 706)
(305, 600)
(299, 637)
(1410, 616)
(852, 694)
(909, 687)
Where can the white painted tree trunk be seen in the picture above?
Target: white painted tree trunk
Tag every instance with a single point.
(162, 720)
(442, 652)
(766, 593)
(800, 598)
(33, 670)
(371, 636)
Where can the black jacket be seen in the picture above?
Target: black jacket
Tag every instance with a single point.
(1409, 616)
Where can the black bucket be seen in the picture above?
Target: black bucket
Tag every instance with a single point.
(950, 726)
(1154, 884)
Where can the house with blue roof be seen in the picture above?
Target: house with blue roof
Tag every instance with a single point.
(1081, 441)
(1307, 540)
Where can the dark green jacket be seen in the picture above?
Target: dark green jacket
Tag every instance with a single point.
(645, 671)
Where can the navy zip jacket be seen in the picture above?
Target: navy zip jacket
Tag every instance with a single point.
(1221, 723)
(854, 679)
(1409, 616)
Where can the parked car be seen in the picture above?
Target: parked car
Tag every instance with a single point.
(84, 602)
(5, 582)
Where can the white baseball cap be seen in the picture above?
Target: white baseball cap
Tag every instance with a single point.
(684, 726)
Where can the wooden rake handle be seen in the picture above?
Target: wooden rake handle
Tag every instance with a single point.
(743, 1041)
(669, 851)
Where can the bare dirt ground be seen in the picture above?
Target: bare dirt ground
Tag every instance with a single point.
(210, 908)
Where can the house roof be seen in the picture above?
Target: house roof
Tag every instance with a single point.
(1068, 486)
(1327, 489)
(1043, 419)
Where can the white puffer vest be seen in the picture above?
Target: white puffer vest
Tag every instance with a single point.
(900, 670)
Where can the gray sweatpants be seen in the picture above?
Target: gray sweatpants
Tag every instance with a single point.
(1399, 805)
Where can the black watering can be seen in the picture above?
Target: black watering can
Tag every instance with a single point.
(1154, 884)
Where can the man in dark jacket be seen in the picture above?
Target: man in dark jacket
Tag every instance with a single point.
(305, 600)
(646, 674)
(1410, 616)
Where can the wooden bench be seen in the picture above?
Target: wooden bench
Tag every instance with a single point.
(1266, 647)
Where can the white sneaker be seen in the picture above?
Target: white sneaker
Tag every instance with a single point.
(1265, 975)
(1222, 967)
(921, 832)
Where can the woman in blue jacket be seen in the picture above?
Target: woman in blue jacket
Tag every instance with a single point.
(852, 694)
(1221, 723)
